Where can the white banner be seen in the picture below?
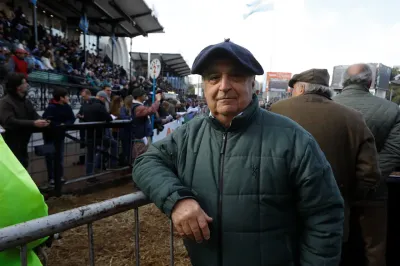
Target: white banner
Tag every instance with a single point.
(168, 129)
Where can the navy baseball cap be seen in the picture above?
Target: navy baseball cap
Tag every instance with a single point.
(230, 50)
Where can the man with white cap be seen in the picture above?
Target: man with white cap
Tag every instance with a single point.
(244, 186)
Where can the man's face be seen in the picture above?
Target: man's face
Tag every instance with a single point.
(20, 55)
(65, 99)
(22, 90)
(101, 99)
(108, 91)
(298, 89)
(228, 89)
(84, 95)
(142, 98)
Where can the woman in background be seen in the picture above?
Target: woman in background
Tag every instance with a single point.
(126, 140)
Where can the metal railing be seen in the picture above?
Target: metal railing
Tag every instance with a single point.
(18, 236)
(102, 149)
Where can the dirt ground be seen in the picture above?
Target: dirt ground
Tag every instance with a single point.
(114, 237)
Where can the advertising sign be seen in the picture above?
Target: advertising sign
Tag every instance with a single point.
(278, 81)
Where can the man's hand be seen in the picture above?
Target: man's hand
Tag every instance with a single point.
(41, 123)
(158, 97)
(190, 220)
(79, 116)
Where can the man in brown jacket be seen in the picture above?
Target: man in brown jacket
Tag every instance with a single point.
(342, 135)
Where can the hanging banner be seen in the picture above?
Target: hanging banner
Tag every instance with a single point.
(33, 2)
(83, 24)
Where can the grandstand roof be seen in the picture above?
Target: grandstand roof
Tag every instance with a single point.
(170, 62)
(130, 18)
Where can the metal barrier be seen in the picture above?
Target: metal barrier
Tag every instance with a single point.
(101, 148)
(21, 234)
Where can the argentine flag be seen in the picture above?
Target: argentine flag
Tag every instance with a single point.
(259, 6)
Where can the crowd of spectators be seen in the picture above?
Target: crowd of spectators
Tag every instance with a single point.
(52, 53)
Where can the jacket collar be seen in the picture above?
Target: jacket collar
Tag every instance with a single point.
(137, 102)
(241, 121)
(318, 94)
(355, 88)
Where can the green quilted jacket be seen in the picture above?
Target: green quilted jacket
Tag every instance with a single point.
(264, 181)
(382, 118)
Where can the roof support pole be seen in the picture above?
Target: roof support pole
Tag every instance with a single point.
(98, 44)
(84, 32)
(130, 62)
(34, 21)
(112, 46)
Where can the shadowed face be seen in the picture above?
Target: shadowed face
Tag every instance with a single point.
(228, 88)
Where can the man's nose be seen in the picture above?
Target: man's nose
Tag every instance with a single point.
(225, 83)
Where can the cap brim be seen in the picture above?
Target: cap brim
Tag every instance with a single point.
(292, 82)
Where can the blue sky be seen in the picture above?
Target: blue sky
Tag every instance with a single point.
(297, 35)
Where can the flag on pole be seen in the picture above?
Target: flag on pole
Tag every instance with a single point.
(84, 24)
(258, 6)
(113, 39)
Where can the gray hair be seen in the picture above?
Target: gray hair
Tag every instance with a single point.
(317, 88)
(363, 78)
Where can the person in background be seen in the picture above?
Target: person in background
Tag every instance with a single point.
(18, 116)
(58, 112)
(3, 75)
(383, 119)
(344, 138)
(17, 62)
(115, 110)
(86, 99)
(141, 118)
(243, 186)
(108, 91)
(126, 132)
(98, 140)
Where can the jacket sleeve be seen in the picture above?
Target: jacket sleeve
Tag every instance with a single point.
(123, 113)
(155, 173)
(320, 208)
(105, 116)
(389, 156)
(9, 121)
(142, 111)
(71, 117)
(368, 175)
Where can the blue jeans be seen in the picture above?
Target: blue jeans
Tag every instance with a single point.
(51, 161)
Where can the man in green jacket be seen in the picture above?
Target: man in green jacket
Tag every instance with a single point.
(383, 119)
(243, 185)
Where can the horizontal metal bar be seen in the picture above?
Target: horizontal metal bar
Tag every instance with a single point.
(86, 125)
(83, 178)
(17, 235)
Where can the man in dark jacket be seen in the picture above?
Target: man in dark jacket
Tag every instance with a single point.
(98, 139)
(343, 136)
(86, 98)
(245, 186)
(18, 117)
(58, 112)
(383, 119)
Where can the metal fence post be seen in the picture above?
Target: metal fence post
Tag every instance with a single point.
(58, 142)
(24, 255)
(91, 244)
(171, 244)
(137, 230)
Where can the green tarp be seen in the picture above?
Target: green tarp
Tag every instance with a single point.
(20, 201)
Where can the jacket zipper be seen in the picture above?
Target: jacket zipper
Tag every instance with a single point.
(220, 195)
